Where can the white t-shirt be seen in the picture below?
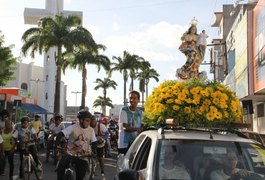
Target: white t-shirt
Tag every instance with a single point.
(80, 138)
(25, 134)
(102, 129)
(56, 129)
(123, 119)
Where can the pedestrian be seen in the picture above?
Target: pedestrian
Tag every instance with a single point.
(89, 145)
(102, 135)
(130, 122)
(1, 156)
(4, 116)
(36, 124)
(9, 144)
(104, 121)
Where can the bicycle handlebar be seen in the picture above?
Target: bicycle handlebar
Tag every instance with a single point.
(74, 155)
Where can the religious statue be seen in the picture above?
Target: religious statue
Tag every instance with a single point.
(193, 51)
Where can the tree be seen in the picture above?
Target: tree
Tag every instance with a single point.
(105, 84)
(144, 76)
(81, 57)
(99, 102)
(124, 65)
(7, 62)
(61, 32)
(137, 63)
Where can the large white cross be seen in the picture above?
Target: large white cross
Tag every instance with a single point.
(32, 16)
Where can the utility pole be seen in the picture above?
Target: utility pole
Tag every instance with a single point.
(75, 92)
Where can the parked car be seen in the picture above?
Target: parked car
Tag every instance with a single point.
(192, 147)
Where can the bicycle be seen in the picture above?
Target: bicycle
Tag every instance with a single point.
(92, 162)
(69, 173)
(29, 165)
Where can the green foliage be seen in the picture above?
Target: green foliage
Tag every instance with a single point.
(7, 62)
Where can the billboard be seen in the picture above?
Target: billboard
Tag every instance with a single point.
(259, 45)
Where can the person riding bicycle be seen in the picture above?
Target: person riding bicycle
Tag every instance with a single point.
(54, 129)
(81, 143)
(102, 135)
(26, 136)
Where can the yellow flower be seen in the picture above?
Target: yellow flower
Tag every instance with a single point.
(177, 101)
(169, 101)
(216, 101)
(182, 96)
(187, 110)
(210, 116)
(175, 107)
(193, 102)
(218, 115)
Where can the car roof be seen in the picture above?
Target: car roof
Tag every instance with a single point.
(195, 135)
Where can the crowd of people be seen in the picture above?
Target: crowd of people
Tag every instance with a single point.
(89, 137)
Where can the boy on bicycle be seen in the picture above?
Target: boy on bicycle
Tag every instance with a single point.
(81, 137)
(26, 136)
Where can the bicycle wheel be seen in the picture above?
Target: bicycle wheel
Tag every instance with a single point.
(39, 172)
(26, 168)
(91, 168)
(68, 175)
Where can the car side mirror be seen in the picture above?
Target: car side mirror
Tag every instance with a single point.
(128, 174)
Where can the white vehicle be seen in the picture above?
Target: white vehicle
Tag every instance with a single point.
(193, 147)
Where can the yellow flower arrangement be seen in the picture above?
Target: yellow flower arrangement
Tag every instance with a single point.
(192, 102)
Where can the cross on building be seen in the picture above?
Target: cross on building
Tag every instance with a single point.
(32, 16)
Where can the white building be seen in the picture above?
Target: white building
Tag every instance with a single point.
(30, 78)
(32, 16)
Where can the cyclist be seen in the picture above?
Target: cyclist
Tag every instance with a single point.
(102, 134)
(81, 137)
(26, 133)
(54, 129)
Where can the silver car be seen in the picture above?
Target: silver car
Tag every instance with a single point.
(202, 153)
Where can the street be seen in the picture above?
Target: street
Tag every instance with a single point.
(49, 168)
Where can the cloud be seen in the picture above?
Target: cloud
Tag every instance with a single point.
(158, 42)
(115, 26)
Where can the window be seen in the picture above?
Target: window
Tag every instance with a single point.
(260, 110)
(24, 86)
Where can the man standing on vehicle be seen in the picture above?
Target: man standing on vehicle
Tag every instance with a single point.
(75, 133)
(130, 122)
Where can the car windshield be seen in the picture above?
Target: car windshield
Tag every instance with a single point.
(198, 159)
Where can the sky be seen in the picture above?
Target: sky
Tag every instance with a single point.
(148, 28)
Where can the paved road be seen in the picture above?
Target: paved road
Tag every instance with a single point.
(50, 174)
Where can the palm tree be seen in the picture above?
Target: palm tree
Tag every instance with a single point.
(101, 100)
(137, 63)
(82, 56)
(124, 66)
(61, 32)
(7, 62)
(105, 84)
(144, 77)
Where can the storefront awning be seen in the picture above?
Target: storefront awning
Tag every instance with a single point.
(35, 109)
